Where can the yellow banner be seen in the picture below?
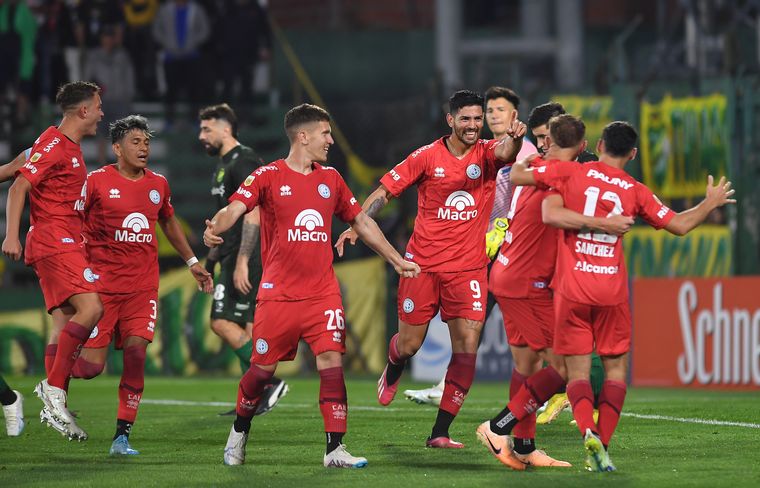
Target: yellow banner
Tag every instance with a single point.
(682, 141)
(184, 342)
(707, 251)
(596, 112)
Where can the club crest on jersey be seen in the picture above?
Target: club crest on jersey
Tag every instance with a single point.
(89, 276)
(473, 171)
(456, 207)
(155, 197)
(408, 305)
(132, 228)
(324, 190)
(261, 346)
(306, 224)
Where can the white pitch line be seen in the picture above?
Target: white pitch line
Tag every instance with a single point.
(683, 420)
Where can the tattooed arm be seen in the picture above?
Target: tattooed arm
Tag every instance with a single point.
(248, 240)
(372, 206)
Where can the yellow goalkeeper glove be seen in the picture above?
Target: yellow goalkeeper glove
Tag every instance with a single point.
(495, 237)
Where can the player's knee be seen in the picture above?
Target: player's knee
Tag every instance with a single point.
(85, 369)
(217, 328)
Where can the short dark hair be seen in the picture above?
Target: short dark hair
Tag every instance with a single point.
(120, 128)
(495, 92)
(464, 98)
(304, 114)
(567, 130)
(619, 138)
(542, 114)
(70, 95)
(221, 111)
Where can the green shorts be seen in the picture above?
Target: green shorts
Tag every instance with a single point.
(230, 304)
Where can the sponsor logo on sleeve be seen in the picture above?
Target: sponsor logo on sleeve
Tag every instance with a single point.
(51, 145)
(35, 157)
(244, 192)
(32, 168)
(249, 180)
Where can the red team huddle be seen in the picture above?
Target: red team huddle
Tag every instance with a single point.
(563, 292)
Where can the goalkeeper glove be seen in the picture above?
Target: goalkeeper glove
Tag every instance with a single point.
(495, 237)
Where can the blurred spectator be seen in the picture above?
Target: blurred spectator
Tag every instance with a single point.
(55, 34)
(18, 33)
(244, 40)
(90, 17)
(138, 40)
(110, 67)
(180, 28)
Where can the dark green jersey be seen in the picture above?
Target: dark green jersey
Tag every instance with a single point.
(233, 168)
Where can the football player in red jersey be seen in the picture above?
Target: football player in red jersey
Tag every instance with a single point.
(299, 295)
(520, 280)
(455, 178)
(123, 202)
(591, 282)
(54, 176)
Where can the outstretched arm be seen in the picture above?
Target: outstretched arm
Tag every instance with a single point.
(8, 170)
(555, 214)
(372, 206)
(521, 172)
(223, 220)
(248, 240)
(173, 231)
(366, 228)
(715, 196)
(13, 208)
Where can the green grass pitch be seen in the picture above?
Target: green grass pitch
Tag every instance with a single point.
(181, 443)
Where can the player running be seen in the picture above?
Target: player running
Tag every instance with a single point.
(54, 176)
(455, 178)
(123, 202)
(299, 295)
(591, 282)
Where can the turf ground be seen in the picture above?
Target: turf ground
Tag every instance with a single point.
(181, 437)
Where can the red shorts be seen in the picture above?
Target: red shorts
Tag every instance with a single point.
(459, 295)
(63, 276)
(278, 326)
(124, 315)
(528, 321)
(580, 328)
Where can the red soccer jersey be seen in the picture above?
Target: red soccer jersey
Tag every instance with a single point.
(590, 265)
(296, 228)
(454, 200)
(57, 172)
(120, 227)
(524, 266)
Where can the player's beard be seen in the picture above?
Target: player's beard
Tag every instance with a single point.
(212, 150)
(462, 137)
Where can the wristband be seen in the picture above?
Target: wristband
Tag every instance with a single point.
(190, 262)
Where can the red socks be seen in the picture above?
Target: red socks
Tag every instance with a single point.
(581, 398)
(249, 390)
(70, 343)
(50, 350)
(393, 355)
(86, 370)
(459, 377)
(525, 428)
(132, 383)
(333, 401)
(611, 401)
(537, 389)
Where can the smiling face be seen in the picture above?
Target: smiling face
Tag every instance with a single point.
(91, 112)
(499, 114)
(466, 124)
(132, 150)
(317, 138)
